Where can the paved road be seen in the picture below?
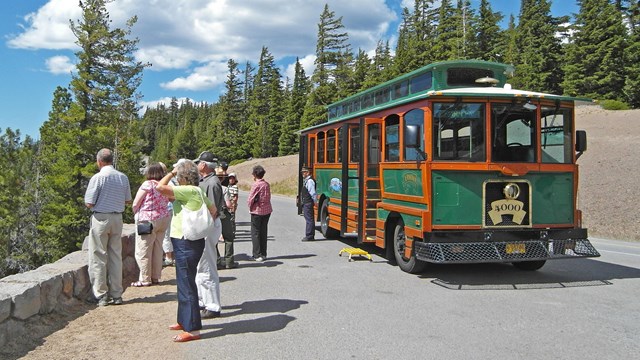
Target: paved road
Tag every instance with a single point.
(306, 302)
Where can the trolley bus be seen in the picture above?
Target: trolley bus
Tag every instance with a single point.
(449, 164)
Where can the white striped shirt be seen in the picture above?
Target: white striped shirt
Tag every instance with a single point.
(108, 191)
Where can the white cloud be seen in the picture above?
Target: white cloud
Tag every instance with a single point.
(59, 65)
(48, 28)
(203, 77)
(164, 57)
(199, 35)
(307, 63)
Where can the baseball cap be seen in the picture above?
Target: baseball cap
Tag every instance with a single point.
(232, 175)
(206, 156)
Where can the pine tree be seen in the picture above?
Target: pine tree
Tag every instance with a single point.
(632, 56)
(381, 68)
(63, 221)
(510, 51)
(539, 65)
(100, 114)
(361, 69)
(404, 52)
(421, 40)
(288, 143)
(330, 53)
(491, 41)
(468, 27)
(184, 143)
(594, 64)
(19, 249)
(448, 37)
(246, 125)
(343, 74)
(229, 116)
(265, 107)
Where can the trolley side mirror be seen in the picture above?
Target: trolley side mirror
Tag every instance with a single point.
(581, 142)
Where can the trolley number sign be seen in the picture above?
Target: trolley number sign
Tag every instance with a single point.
(507, 204)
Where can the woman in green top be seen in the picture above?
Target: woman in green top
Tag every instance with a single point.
(187, 253)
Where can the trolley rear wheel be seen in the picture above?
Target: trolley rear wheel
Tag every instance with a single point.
(328, 232)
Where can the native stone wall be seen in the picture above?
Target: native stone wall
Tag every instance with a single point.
(54, 288)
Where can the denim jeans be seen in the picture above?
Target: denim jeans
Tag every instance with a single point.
(187, 254)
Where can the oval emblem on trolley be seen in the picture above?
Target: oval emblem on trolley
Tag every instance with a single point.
(511, 191)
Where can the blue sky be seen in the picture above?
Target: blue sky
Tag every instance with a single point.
(187, 41)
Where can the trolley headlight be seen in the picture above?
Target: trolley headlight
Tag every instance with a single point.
(511, 191)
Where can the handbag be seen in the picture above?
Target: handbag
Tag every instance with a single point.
(144, 227)
(197, 224)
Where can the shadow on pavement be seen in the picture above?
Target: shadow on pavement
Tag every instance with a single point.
(555, 274)
(263, 324)
(563, 273)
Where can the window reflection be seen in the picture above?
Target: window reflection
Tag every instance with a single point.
(392, 138)
(513, 130)
(321, 144)
(458, 131)
(414, 117)
(555, 137)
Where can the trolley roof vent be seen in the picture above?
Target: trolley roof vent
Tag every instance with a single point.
(487, 80)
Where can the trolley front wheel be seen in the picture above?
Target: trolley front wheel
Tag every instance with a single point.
(411, 264)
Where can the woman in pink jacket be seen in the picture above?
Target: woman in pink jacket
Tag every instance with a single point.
(259, 202)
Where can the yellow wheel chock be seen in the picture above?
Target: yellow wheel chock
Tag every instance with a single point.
(355, 251)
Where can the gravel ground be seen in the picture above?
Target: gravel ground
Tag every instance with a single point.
(609, 172)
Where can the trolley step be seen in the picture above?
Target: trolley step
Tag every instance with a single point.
(355, 251)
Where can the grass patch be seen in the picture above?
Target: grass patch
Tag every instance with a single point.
(614, 105)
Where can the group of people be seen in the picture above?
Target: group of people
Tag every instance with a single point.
(162, 200)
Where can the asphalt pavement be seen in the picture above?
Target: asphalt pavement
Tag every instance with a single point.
(307, 302)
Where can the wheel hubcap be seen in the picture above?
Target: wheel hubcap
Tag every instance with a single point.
(400, 244)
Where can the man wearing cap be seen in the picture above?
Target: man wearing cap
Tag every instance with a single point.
(308, 199)
(106, 195)
(207, 278)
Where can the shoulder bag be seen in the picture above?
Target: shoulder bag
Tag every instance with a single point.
(144, 227)
(197, 224)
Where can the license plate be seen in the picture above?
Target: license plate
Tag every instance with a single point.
(515, 248)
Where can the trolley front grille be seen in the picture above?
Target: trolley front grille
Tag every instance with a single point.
(477, 252)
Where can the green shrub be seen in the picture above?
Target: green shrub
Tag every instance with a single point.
(236, 162)
(614, 105)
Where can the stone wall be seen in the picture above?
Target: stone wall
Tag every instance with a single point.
(54, 288)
